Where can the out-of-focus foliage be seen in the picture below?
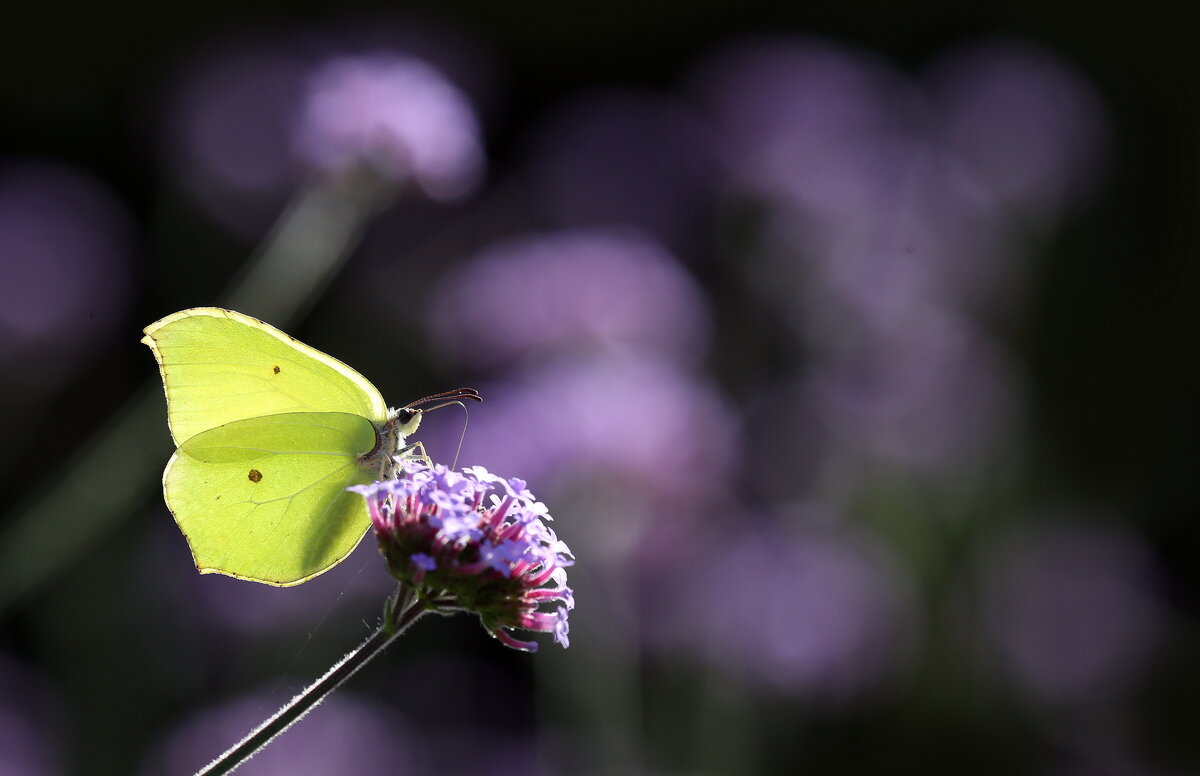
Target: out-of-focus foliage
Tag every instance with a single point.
(850, 351)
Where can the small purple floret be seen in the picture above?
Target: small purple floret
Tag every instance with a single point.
(561, 627)
(474, 541)
(423, 561)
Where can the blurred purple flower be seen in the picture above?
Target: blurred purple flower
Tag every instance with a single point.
(1028, 124)
(637, 421)
(27, 745)
(65, 245)
(890, 204)
(803, 119)
(930, 237)
(936, 394)
(449, 48)
(342, 735)
(612, 288)
(492, 753)
(625, 157)
(227, 120)
(823, 612)
(1071, 609)
(396, 114)
(471, 540)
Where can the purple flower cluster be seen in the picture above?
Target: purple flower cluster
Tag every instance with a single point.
(472, 541)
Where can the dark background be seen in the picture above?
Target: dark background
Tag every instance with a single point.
(117, 652)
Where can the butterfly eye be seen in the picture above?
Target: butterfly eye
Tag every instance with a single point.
(408, 420)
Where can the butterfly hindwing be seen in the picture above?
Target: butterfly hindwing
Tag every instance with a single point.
(265, 498)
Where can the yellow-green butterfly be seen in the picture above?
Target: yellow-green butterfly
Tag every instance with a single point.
(270, 432)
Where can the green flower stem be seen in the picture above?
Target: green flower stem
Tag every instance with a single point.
(404, 609)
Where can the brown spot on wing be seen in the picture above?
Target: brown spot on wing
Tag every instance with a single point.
(255, 475)
(276, 370)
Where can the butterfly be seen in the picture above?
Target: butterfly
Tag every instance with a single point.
(269, 434)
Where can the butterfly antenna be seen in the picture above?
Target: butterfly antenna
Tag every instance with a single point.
(463, 435)
(446, 397)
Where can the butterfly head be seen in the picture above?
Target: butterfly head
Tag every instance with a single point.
(403, 422)
(406, 421)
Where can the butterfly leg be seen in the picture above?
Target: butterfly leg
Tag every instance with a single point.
(410, 452)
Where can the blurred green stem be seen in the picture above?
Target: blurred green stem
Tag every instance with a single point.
(403, 611)
(107, 479)
(307, 246)
(725, 729)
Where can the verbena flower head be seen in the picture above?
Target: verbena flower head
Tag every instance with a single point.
(473, 541)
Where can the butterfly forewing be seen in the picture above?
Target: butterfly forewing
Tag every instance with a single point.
(220, 366)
